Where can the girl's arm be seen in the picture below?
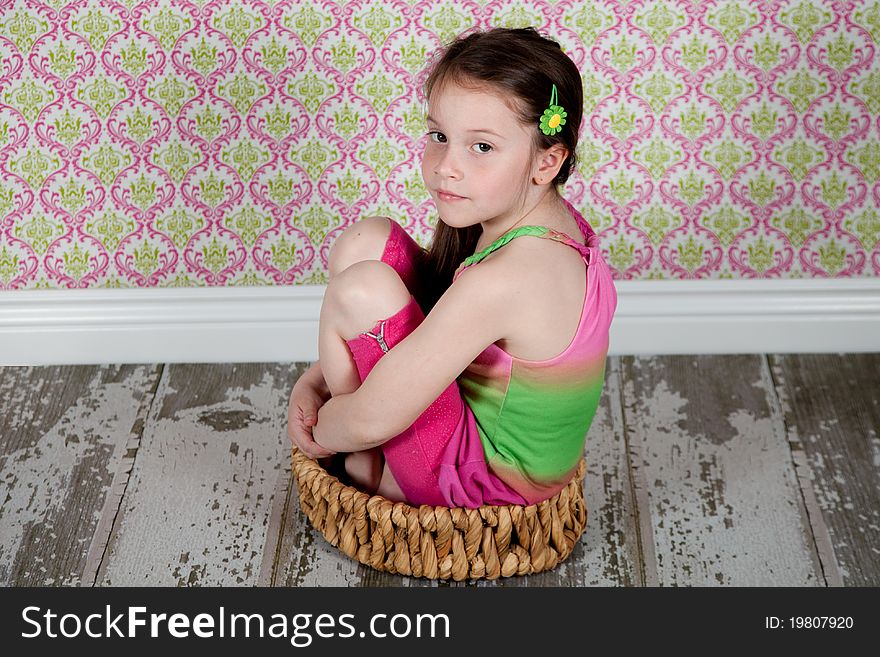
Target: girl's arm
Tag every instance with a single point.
(472, 314)
(309, 393)
(315, 377)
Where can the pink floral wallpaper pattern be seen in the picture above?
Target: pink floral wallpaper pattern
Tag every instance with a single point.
(176, 143)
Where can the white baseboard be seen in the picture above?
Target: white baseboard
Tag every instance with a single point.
(280, 324)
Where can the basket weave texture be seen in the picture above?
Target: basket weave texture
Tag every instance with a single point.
(439, 542)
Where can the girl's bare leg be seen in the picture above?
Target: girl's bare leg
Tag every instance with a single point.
(355, 301)
(337, 364)
(365, 469)
(363, 240)
(388, 487)
(369, 471)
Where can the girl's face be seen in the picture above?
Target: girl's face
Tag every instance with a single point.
(478, 151)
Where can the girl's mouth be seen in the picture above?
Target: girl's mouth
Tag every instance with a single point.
(445, 196)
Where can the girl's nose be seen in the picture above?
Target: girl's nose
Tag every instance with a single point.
(447, 165)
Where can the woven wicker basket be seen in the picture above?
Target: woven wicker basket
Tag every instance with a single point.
(439, 542)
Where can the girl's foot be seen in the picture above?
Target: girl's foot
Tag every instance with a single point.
(365, 469)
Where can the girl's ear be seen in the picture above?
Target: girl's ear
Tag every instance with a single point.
(548, 163)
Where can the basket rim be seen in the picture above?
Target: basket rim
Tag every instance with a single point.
(303, 464)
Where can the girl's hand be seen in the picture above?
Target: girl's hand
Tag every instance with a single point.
(306, 398)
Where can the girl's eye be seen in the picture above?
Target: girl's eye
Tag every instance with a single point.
(436, 137)
(483, 147)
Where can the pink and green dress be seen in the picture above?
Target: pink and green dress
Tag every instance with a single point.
(527, 420)
(508, 430)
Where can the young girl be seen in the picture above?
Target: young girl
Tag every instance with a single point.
(470, 373)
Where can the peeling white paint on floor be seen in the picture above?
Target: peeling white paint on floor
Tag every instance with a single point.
(37, 481)
(722, 512)
(699, 472)
(199, 500)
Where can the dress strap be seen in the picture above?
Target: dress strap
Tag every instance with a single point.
(585, 227)
(536, 231)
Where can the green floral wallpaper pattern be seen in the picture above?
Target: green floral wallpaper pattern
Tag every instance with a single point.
(176, 143)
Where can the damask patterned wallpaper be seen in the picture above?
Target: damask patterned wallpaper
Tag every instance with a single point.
(175, 143)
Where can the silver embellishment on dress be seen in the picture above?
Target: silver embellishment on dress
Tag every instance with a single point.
(379, 338)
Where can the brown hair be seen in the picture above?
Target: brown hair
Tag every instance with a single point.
(522, 65)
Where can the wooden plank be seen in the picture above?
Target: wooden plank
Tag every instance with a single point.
(277, 513)
(721, 492)
(65, 436)
(199, 499)
(831, 405)
(614, 553)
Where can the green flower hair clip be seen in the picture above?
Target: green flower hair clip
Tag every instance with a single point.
(554, 116)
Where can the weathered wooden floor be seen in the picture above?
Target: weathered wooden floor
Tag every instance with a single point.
(703, 470)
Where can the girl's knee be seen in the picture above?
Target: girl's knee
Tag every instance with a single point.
(367, 292)
(365, 239)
